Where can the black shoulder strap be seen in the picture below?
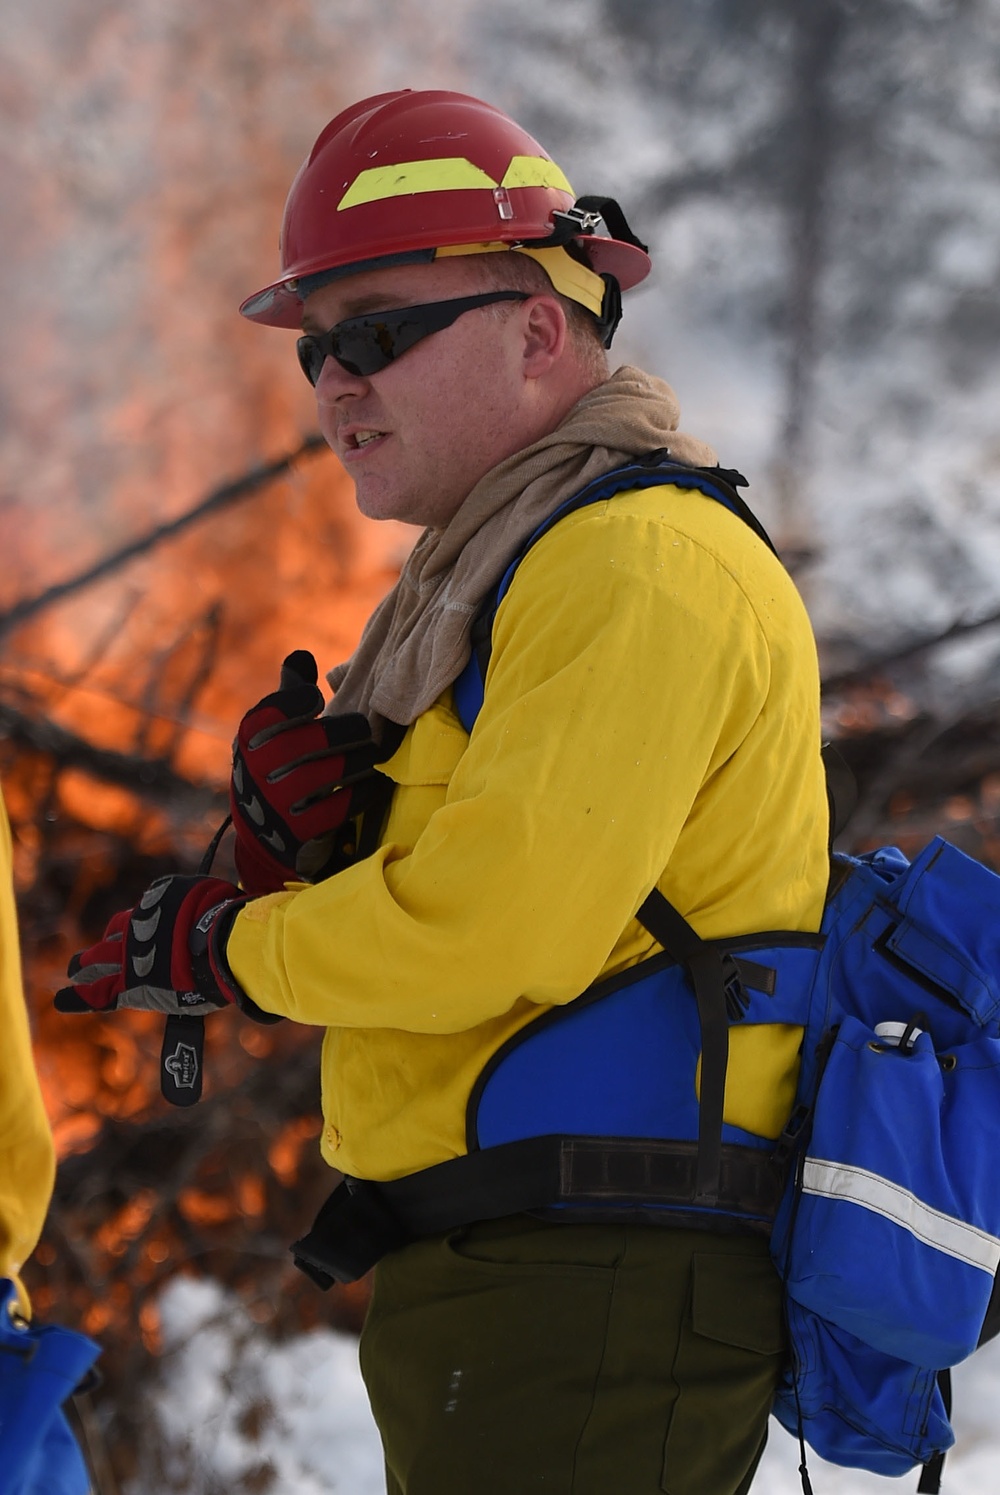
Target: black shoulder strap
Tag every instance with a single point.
(712, 981)
(726, 480)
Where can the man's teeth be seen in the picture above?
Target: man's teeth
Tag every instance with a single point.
(363, 437)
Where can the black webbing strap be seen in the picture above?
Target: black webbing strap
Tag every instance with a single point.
(930, 1474)
(581, 220)
(182, 1052)
(841, 789)
(614, 217)
(705, 966)
(991, 1321)
(361, 1221)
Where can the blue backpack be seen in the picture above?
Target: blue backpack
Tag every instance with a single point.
(888, 1234)
(41, 1366)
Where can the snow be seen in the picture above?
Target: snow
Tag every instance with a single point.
(232, 1405)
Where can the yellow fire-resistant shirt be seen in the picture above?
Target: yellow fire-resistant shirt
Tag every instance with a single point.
(651, 716)
(27, 1159)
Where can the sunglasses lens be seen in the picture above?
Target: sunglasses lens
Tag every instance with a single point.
(363, 347)
(355, 349)
(311, 358)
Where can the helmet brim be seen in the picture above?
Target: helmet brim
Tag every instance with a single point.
(280, 303)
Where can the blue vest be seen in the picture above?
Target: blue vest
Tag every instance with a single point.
(619, 1063)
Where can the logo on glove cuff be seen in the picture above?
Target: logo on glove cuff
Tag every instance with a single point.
(182, 1066)
(204, 924)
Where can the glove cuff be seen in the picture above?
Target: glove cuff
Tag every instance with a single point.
(212, 965)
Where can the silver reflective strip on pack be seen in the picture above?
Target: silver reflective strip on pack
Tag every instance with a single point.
(954, 1237)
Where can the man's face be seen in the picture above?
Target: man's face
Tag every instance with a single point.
(418, 435)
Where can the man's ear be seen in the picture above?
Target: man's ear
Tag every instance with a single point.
(544, 335)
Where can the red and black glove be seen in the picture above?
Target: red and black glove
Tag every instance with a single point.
(299, 781)
(165, 955)
(168, 954)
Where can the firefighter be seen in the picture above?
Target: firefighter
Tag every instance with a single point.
(39, 1366)
(27, 1173)
(472, 867)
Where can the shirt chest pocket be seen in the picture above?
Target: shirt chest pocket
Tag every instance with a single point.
(422, 768)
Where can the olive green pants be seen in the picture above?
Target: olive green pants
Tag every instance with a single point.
(517, 1356)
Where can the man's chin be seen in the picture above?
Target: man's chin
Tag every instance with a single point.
(376, 500)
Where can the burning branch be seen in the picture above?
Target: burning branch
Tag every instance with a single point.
(176, 677)
(152, 777)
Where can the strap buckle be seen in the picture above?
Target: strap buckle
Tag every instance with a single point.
(791, 1136)
(586, 218)
(571, 222)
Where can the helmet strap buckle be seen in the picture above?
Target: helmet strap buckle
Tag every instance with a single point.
(585, 219)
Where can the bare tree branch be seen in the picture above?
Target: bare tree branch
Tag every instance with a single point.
(220, 498)
(862, 672)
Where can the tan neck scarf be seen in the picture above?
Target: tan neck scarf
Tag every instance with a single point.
(416, 642)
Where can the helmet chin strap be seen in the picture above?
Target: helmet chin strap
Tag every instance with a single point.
(611, 310)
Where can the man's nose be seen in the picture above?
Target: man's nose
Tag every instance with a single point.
(336, 383)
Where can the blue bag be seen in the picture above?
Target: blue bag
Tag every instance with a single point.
(888, 1236)
(40, 1368)
(856, 1406)
(901, 1172)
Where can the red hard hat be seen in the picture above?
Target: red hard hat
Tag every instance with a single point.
(400, 175)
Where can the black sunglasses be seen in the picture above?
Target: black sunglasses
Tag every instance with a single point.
(364, 345)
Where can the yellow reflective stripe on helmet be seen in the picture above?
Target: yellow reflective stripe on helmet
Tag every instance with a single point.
(449, 174)
(535, 171)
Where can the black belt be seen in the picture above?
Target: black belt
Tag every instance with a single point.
(362, 1221)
